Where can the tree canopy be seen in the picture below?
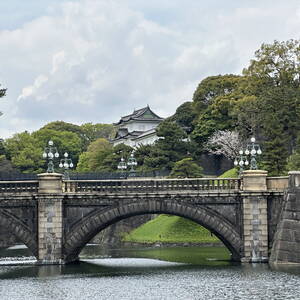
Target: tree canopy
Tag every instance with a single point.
(92, 159)
(186, 168)
(169, 148)
(264, 101)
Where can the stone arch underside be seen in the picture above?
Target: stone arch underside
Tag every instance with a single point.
(92, 224)
(16, 227)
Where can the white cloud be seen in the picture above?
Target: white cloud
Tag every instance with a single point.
(57, 60)
(94, 60)
(32, 89)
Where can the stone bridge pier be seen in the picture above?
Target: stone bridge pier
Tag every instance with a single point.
(255, 216)
(50, 219)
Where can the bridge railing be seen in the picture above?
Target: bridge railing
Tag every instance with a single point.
(151, 186)
(28, 186)
(278, 183)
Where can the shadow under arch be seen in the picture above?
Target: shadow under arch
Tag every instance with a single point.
(92, 224)
(20, 230)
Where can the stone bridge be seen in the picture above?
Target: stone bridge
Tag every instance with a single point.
(55, 219)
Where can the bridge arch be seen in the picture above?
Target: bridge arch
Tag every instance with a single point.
(16, 227)
(82, 232)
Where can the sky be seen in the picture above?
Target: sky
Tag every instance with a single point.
(96, 60)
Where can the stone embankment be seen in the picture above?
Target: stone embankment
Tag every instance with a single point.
(286, 245)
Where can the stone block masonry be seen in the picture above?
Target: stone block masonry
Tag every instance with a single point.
(286, 245)
(50, 219)
(255, 228)
(255, 216)
(50, 233)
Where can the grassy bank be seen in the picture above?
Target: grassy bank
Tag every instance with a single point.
(170, 229)
(174, 229)
(232, 173)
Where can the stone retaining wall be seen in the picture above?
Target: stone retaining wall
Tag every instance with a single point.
(286, 246)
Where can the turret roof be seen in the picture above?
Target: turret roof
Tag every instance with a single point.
(144, 114)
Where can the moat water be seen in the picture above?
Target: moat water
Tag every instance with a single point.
(145, 273)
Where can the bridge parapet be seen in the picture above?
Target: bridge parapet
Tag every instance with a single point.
(277, 183)
(27, 186)
(151, 186)
(137, 185)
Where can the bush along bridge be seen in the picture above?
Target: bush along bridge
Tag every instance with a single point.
(256, 217)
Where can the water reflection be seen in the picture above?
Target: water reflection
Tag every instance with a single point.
(143, 273)
(117, 262)
(209, 256)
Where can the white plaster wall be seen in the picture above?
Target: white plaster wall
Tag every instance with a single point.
(140, 126)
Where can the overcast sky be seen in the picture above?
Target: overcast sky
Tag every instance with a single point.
(95, 60)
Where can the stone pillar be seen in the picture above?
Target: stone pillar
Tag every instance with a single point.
(50, 219)
(50, 183)
(255, 216)
(294, 179)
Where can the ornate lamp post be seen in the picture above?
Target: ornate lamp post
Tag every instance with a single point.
(242, 161)
(253, 149)
(122, 166)
(131, 163)
(66, 163)
(50, 153)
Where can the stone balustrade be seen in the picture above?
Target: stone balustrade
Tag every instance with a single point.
(26, 186)
(277, 183)
(151, 186)
(135, 185)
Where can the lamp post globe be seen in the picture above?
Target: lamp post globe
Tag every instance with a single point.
(50, 153)
(251, 150)
(66, 163)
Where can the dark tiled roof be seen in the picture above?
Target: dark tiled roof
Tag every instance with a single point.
(145, 133)
(132, 134)
(138, 115)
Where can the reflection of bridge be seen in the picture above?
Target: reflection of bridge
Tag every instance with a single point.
(56, 219)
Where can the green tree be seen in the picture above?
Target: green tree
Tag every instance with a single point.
(2, 147)
(61, 126)
(92, 132)
(65, 141)
(141, 153)
(92, 159)
(83, 163)
(25, 149)
(275, 72)
(293, 163)
(110, 163)
(212, 87)
(263, 102)
(184, 116)
(87, 132)
(186, 168)
(171, 146)
(275, 153)
(25, 152)
(278, 63)
(214, 100)
(6, 167)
